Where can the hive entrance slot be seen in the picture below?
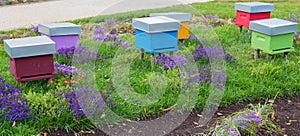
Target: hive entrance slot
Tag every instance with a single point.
(282, 49)
(37, 75)
(164, 48)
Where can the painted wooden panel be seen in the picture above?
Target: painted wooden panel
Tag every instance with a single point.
(30, 46)
(254, 7)
(59, 29)
(273, 26)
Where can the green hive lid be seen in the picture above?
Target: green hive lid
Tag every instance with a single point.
(273, 26)
(254, 7)
(182, 17)
(30, 46)
(156, 24)
(59, 29)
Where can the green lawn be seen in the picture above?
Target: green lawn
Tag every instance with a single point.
(248, 79)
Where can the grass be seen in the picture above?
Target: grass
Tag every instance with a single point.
(248, 79)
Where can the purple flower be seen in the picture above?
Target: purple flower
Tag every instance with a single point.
(111, 85)
(2, 80)
(110, 21)
(171, 62)
(211, 17)
(230, 58)
(89, 99)
(34, 29)
(66, 70)
(296, 35)
(99, 30)
(83, 54)
(199, 53)
(192, 37)
(291, 19)
(3, 37)
(13, 105)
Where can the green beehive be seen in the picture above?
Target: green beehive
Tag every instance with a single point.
(273, 36)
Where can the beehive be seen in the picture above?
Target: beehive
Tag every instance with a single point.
(251, 11)
(65, 35)
(184, 18)
(273, 35)
(156, 34)
(31, 58)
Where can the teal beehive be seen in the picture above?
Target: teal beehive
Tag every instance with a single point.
(157, 34)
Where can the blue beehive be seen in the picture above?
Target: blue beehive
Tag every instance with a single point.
(157, 34)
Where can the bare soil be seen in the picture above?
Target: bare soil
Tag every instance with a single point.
(286, 116)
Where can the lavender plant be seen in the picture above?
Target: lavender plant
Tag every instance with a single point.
(296, 36)
(247, 122)
(102, 35)
(65, 69)
(94, 101)
(192, 37)
(211, 17)
(171, 62)
(65, 75)
(4, 37)
(84, 53)
(34, 29)
(13, 105)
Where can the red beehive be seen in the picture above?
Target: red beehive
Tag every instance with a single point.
(250, 11)
(31, 58)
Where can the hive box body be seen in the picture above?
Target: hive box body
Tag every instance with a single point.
(32, 68)
(65, 35)
(183, 33)
(157, 42)
(244, 18)
(65, 41)
(272, 44)
(250, 11)
(184, 18)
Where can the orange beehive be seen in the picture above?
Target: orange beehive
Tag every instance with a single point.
(184, 18)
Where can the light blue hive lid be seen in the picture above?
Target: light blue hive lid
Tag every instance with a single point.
(30, 46)
(59, 29)
(156, 24)
(254, 7)
(182, 17)
(273, 26)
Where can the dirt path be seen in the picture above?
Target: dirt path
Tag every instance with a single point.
(286, 116)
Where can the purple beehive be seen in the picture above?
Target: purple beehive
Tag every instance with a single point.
(65, 35)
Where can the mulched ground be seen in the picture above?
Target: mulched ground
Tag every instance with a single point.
(286, 116)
